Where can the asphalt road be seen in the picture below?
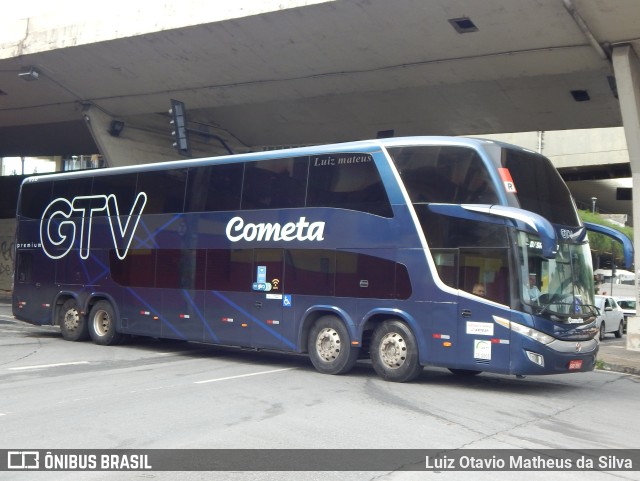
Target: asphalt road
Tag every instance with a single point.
(163, 394)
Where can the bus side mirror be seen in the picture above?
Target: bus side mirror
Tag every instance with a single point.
(627, 245)
(525, 220)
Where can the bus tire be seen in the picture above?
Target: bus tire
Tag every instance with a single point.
(394, 352)
(329, 346)
(102, 324)
(73, 325)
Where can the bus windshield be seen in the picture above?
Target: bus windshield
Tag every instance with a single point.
(561, 286)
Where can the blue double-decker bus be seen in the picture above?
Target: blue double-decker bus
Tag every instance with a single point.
(461, 253)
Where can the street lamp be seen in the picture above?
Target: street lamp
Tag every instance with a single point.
(593, 204)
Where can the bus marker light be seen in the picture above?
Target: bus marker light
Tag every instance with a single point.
(575, 364)
(145, 313)
(447, 344)
(155, 318)
(244, 324)
(355, 343)
(184, 316)
(441, 336)
(499, 341)
(227, 319)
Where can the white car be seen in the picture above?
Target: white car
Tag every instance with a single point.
(610, 317)
(628, 306)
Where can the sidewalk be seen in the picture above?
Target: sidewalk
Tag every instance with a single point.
(613, 354)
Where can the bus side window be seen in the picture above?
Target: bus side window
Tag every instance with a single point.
(229, 270)
(275, 183)
(214, 188)
(23, 267)
(165, 190)
(347, 181)
(467, 268)
(487, 267)
(122, 186)
(310, 271)
(34, 198)
(446, 261)
(72, 188)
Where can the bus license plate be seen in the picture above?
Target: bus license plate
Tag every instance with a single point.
(575, 364)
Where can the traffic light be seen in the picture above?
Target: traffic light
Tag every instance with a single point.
(179, 123)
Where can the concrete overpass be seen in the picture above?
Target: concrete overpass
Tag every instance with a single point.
(272, 72)
(294, 72)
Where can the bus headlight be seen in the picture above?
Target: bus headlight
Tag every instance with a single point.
(529, 332)
(541, 337)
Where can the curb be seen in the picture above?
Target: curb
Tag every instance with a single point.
(605, 366)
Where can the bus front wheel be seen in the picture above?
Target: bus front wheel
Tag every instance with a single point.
(394, 352)
(102, 324)
(330, 346)
(73, 325)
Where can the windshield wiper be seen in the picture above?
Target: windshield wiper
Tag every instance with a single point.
(583, 311)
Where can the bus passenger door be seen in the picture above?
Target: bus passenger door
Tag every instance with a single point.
(484, 285)
(267, 299)
(478, 346)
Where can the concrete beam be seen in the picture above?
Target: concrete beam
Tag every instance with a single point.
(148, 139)
(133, 145)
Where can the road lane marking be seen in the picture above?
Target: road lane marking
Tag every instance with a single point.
(244, 375)
(45, 366)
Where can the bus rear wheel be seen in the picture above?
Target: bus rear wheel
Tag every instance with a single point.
(73, 325)
(102, 324)
(329, 346)
(394, 352)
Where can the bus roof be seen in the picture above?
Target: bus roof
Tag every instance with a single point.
(358, 146)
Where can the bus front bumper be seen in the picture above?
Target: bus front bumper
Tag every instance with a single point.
(557, 357)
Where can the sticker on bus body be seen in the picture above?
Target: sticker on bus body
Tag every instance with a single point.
(482, 349)
(507, 180)
(480, 328)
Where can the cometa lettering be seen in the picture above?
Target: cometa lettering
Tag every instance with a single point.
(302, 230)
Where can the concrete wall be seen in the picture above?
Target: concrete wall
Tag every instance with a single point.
(572, 148)
(7, 232)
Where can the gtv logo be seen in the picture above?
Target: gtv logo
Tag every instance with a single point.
(58, 230)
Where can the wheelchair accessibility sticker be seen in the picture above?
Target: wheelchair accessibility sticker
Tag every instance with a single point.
(286, 300)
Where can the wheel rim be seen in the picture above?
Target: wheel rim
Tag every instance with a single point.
(393, 350)
(71, 319)
(102, 322)
(328, 344)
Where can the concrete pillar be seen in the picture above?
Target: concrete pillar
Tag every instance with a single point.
(627, 70)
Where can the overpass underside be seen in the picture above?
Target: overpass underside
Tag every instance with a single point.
(267, 73)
